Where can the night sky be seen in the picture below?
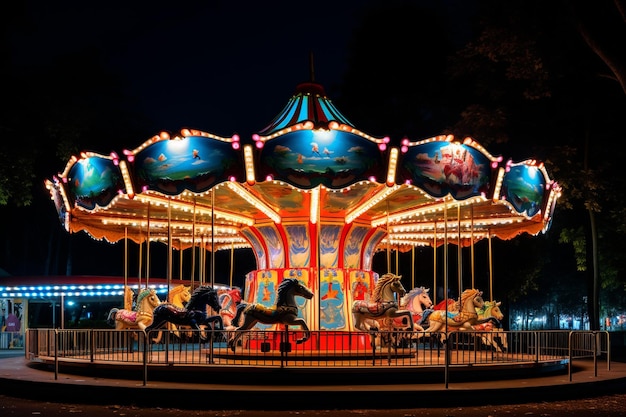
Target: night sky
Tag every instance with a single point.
(222, 67)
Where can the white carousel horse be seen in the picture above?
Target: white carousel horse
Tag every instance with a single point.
(139, 318)
(382, 305)
(471, 299)
(285, 312)
(418, 302)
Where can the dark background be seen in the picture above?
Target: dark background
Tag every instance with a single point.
(517, 76)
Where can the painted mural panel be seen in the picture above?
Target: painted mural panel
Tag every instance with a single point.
(299, 245)
(194, 163)
(524, 187)
(352, 247)
(329, 245)
(94, 181)
(360, 285)
(308, 158)
(266, 291)
(332, 300)
(304, 306)
(274, 244)
(442, 168)
(257, 247)
(368, 254)
(249, 291)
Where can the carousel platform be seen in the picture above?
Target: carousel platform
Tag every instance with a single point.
(258, 389)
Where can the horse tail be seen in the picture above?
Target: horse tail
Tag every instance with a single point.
(111, 317)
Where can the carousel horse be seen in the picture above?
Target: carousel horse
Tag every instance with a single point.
(493, 334)
(471, 299)
(139, 318)
(285, 312)
(178, 296)
(418, 302)
(194, 314)
(382, 306)
(232, 306)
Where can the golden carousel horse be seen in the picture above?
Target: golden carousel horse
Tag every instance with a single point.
(139, 318)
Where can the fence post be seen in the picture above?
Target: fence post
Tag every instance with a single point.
(536, 346)
(92, 345)
(145, 357)
(569, 352)
(55, 333)
(595, 353)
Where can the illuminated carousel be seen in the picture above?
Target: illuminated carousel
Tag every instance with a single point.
(313, 197)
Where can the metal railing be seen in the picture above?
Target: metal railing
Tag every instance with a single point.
(323, 349)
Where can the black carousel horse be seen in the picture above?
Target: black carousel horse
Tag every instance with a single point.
(194, 314)
(285, 311)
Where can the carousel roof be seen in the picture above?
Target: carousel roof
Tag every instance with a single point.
(309, 164)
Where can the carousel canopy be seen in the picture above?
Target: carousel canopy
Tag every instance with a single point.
(310, 167)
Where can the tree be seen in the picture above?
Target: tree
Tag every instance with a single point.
(523, 83)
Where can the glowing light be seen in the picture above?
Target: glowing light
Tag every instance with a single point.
(391, 171)
(375, 199)
(249, 164)
(315, 201)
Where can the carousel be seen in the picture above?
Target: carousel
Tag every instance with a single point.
(312, 196)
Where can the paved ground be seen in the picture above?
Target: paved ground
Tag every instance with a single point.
(36, 392)
(613, 405)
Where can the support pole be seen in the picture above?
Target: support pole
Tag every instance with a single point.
(459, 252)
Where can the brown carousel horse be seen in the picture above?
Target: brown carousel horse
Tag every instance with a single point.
(383, 305)
(285, 312)
(139, 318)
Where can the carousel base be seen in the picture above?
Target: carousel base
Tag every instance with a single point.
(259, 388)
(317, 368)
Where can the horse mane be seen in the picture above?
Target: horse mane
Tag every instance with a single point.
(199, 292)
(469, 293)
(409, 296)
(380, 284)
(175, 291)
(488, 306)
(283, 287)
(143, 294)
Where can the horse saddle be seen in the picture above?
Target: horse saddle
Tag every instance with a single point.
(126, 315)
(374, 309)
(276, 310)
